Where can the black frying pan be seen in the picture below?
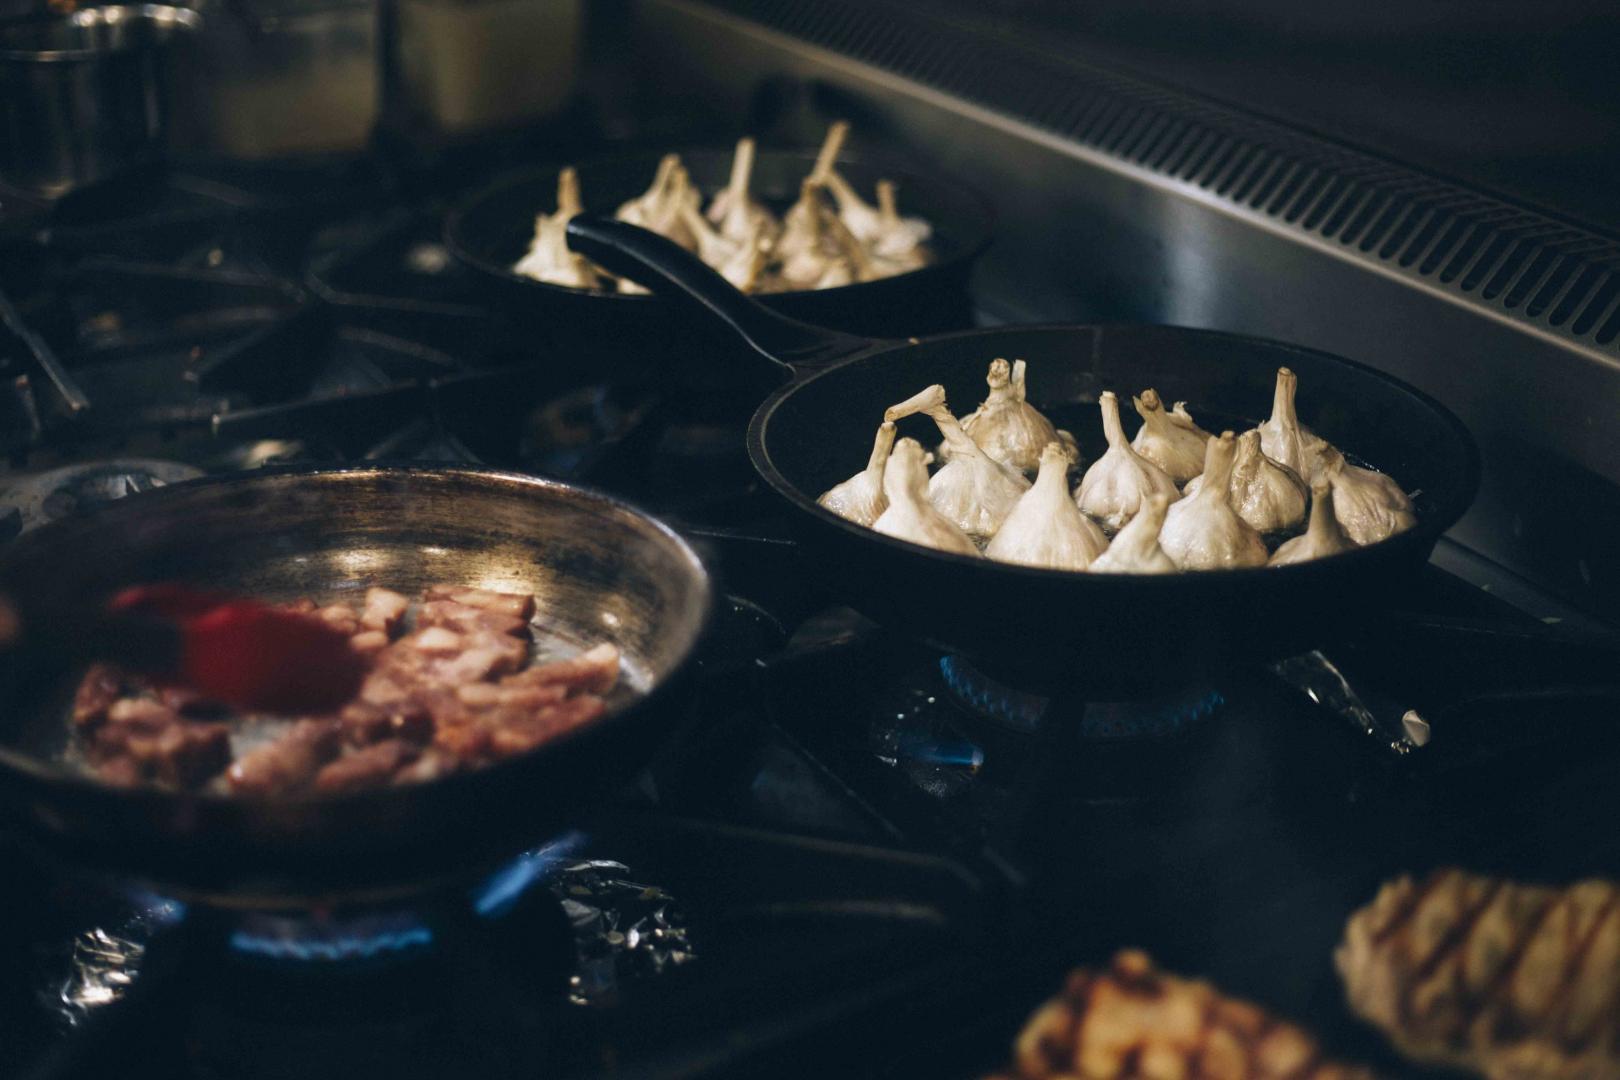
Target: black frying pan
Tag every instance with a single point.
(599, 569)
(491, 230)
(1090, 633)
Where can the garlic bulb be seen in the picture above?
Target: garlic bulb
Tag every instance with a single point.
(861, 498)
(860, 217)
(973, 489)
(803, 246)
(638, 211)
(1269, 496)
(801, 226)
(1203, 531)
(1176, 448)
(1046, 528)
(1006, 426)
(738, 262)
(899, 241)
(737, 214)
(850, 263)
(910, 516)
(660, 207)
(549, 258)
(1180, 417)
(1136, 549)
(1322, 537)
(1284, 439)
(1115, 485)
(1368, 505)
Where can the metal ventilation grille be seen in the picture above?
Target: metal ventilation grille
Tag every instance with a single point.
(1530, 267)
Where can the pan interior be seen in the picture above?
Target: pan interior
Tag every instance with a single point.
(599, 571)
(821, 432)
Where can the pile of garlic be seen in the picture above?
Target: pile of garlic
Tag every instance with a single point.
(830, 237)
(1173, 498)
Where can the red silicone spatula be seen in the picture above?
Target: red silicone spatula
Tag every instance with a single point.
(247, 654)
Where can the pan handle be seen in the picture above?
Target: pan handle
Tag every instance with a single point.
(670, 270)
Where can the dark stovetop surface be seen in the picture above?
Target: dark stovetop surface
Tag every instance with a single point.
(854, 857)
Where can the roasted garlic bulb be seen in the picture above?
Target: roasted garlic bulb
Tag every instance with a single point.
(804, 246)
(740, 263)
(1369, 505)
(1045, 528)
(910, 516)
(1269, 496)
(1173, 443)
(1133, 1022)
(1284, 439)
(1322, 537)
(1203, 531)
(861, 498)
(1007, 427)
(549, 258)
(660, 207)
(973, 489)
(847, 260)
(734, 212)
(1117, 483)
(1136, 549)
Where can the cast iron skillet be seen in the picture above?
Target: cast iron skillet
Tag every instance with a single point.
(600, 570)
(1096, 634)
(492, 229)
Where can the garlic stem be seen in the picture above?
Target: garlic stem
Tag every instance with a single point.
(924, 400)
(830, 148)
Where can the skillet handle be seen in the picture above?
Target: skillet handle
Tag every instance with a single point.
(670, 270)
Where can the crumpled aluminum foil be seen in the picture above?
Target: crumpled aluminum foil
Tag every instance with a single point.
(101, 963)
(623, 929)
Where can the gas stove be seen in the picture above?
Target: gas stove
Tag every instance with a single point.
(855, 856)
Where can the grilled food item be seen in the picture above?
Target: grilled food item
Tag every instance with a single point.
(1508, 980)
(1132, 1021)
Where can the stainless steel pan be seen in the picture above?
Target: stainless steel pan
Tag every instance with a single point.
(600, 570)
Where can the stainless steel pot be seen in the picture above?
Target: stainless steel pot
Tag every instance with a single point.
(86, 95)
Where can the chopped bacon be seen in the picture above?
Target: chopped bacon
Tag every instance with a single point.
(384, 611)
(98, 691)
(290, 761)
(455, 692)
(155, 742)
(369, 642)
(370, 766)
(339, 617)
(467, 619)
(518, 605)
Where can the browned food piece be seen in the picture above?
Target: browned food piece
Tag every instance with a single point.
(144, 739)
(340, 617)
(519, 605)
(595, 670)
(1504, 979)
(371, 766)
(302, 606)
(365, 723)
(442, 657)
(1132, 1022)
(101, 686)
(429, 766)
(289, 762)
(466, 619)
(384, 611)
(369, 642)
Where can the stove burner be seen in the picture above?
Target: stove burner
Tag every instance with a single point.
(36, 500)
(302, 940)
(1151, 718)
